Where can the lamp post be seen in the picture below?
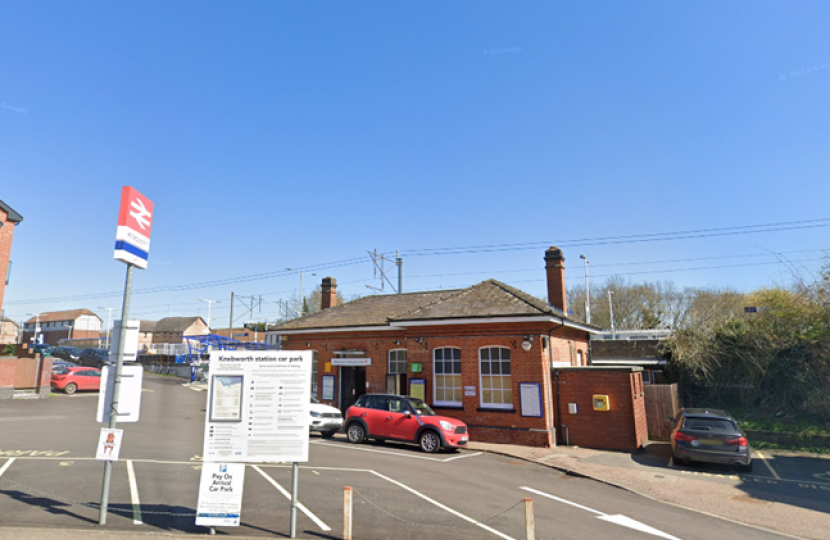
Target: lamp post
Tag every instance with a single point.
(302, 292)
(109, 320)
(587, 291)
(611, 313)
(209, 302)
(37, 326)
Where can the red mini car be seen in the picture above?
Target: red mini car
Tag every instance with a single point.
(72, 379)
(402, 418)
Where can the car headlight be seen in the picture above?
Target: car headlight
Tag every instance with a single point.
(316, 414)
(446, 425)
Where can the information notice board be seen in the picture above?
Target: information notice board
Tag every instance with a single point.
(258, 406)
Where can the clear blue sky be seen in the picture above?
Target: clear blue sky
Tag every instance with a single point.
(274, 134)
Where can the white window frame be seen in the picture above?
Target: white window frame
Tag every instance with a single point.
(435, 374)
(389, 361)
(485, 405)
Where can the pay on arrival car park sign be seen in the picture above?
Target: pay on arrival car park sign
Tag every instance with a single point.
(135, 219)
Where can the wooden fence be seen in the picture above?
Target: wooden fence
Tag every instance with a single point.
(661, 402)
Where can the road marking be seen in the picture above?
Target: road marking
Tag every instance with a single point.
(300, 505)
(444, 507)
(5, 467)
(823, 476)
(21, 453)
(134, 494)
(617, 519)
(66, 463)
(361, 449)
(764, 459)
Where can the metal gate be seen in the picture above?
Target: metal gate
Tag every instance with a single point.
(26, 376)
(661, 402)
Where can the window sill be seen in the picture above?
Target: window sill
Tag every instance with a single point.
(495, 409)
(448, 407)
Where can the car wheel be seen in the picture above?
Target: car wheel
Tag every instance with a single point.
(328, 434)
(356, 433)
(430, 442)
(71, 388)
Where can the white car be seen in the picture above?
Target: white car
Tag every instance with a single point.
(324, 418)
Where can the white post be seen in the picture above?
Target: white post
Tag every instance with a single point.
(611, 313)
(530, 522)
(587, 291)
(347, 512)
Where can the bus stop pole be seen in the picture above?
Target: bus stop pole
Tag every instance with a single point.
(116, 387)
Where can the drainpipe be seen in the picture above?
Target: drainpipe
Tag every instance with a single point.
(551, 419)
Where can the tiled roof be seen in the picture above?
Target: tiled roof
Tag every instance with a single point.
(175, 324)
(487, 299)
(147, 326)
(68, 315)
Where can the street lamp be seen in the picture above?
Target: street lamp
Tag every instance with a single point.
(302, 292)
(611, 313)
(587, 291)
(109, 319)
(209, 302)
(37, 326)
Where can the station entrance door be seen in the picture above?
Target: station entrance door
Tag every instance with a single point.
(352, 385)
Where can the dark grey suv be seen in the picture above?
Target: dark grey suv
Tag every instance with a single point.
(96, 358)
(709, 436)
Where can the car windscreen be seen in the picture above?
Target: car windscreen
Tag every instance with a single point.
(709, 424)
(314, 400)
(421, 408)
(61, 371)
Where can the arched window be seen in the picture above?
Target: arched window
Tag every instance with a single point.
(447, 374)
(496, 378)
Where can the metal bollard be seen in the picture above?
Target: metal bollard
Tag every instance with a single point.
(530, 522)
(348, 491)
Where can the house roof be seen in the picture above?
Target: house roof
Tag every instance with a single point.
(14, 217)
(176, 324)
(488, 299)
(147, 326)
(7, 320)
(67, 315)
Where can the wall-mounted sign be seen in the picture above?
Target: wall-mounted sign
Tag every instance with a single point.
(416, 367)
(469, 390)
(328, 387)
(530, 395)
(351, 362)
(418, 388)
(135, 220)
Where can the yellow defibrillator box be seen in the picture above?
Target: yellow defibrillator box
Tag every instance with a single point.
(601, 403)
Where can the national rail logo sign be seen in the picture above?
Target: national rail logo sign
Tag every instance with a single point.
(135, 220)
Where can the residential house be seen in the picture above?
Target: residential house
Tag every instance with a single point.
(9, 219)
(57, 325)
(8, 331)
(244, 335)
(146, 329)
(483, 354)
(173, 329)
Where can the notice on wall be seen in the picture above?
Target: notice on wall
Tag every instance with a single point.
(258, 406)
(418, 388)
(530, 395)
(220, 494)
(328, 387)
(109, 444)
(469, 390)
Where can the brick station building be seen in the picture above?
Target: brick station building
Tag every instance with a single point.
(9, 219)
(486, 354)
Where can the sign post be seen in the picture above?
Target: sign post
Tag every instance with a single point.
(132, 246)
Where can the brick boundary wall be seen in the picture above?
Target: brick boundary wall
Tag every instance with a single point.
(8, 370)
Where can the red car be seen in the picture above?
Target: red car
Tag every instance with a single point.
(402, 418)
(72, 379)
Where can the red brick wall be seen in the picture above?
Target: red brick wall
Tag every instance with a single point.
(486, 425)
(623, 427)
(46, 371)
(6, 234)
(8, 369)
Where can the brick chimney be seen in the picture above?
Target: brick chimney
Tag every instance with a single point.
(329, 293)
(555, 267)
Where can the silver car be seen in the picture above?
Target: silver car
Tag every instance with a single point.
(709, 436)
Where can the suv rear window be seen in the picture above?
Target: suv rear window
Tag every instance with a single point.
(709, 424)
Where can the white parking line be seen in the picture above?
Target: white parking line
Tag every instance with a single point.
(134, 494)
(444, 507)
(399, 454)
(764, 459)
(300, 505)
(5, 467)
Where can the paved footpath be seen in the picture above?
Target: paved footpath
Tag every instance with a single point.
(787, 492)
